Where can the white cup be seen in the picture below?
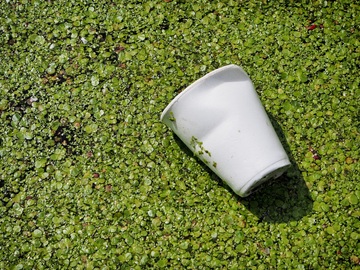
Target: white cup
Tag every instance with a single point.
(221, 119)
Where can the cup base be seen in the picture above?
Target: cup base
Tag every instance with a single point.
(272, 172)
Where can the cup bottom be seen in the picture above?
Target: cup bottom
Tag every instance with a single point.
(272, 172)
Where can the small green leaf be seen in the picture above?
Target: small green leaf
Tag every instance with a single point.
(353, 199)
(37, 233)
(162, 263)
(95, 80)
(91, 128)
(301, 76)
(40, 163)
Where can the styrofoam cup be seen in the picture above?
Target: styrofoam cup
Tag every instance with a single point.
(221, 119)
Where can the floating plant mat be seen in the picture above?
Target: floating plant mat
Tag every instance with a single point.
(90, 177)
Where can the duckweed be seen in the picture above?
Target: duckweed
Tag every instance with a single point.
(90, 178)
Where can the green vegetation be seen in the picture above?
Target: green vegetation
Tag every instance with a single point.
(89, 176)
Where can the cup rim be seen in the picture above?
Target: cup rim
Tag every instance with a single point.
(192, 85)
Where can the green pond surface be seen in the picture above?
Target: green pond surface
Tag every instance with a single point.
(91, 179)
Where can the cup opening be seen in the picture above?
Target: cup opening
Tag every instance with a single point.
(229, 69)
